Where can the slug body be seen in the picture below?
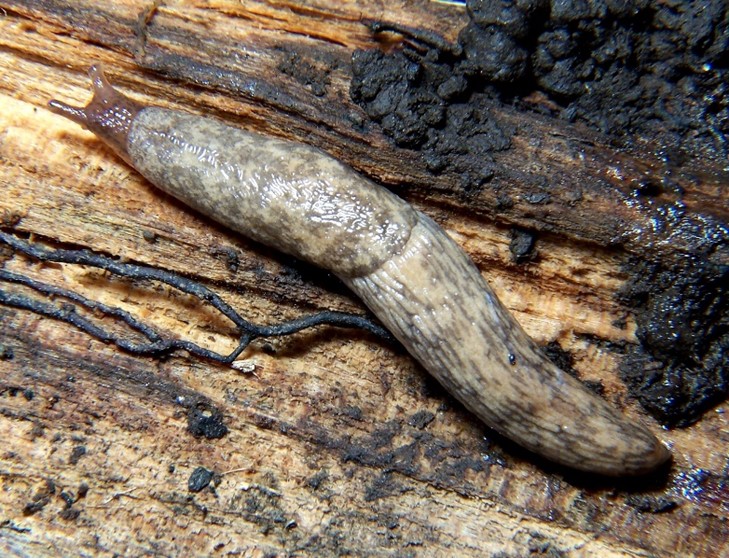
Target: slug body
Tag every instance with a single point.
(407, 270)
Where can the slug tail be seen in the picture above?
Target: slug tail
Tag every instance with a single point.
(109, 114)
(435, 301)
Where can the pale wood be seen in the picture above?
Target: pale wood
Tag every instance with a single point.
(320, 458)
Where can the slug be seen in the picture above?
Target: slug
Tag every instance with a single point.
(405, 268)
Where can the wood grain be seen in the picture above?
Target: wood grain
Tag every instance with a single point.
(338, 443)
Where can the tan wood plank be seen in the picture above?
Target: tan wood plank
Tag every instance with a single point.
(324, 454)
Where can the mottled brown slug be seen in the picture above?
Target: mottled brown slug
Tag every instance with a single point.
(407, 270)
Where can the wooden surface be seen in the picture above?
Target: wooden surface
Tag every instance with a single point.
(338, 443)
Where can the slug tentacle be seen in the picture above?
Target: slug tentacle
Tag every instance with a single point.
(407, 270)
(109, 114)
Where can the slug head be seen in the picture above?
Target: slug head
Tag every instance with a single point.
(109, 114)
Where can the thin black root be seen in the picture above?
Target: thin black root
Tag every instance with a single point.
(155, 344)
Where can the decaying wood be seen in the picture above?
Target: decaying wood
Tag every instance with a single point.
(337, 443)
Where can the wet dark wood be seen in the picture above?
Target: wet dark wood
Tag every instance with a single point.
(338, 442)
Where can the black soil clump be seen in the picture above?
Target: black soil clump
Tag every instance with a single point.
(656, 69)
(420, 104)
(680, 369)
(206, 421)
